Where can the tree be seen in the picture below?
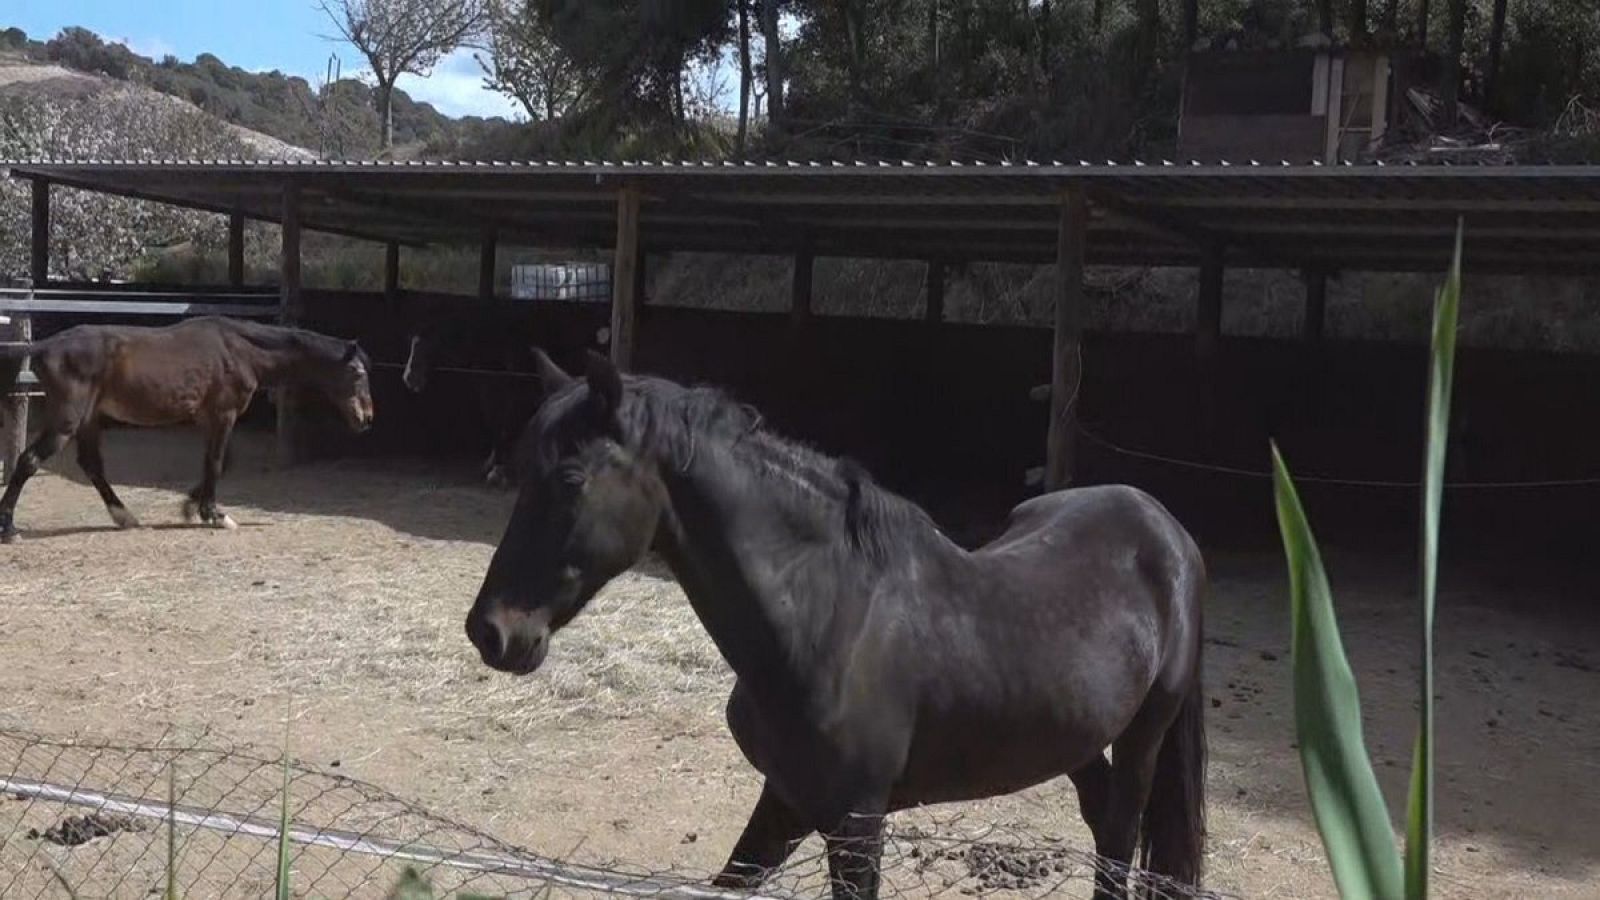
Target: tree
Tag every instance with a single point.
(1358, 20)
(1450, 77)
(746, 73)
(774, 62)
(403, 37)
(526, 64)
(1497, 37)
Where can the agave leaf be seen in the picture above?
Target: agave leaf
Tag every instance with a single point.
(1441, 377)
(1345, 799)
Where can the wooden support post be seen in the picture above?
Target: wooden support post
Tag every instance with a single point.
(1316, 304)
(623, 267)
(1208, 325)
(800, 286)
(1066, 372)
(486, 252)
(935, 291)
(290, 311)
(641, 262)
(236, 250)
(39, 266)
(391, 271)
(14, 430)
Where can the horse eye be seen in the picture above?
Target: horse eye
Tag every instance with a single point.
(573, 477)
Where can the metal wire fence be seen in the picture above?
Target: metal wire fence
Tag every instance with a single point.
(82, 818)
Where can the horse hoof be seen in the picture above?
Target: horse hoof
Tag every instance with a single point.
(9, 537)
(497, 477)
(191, 511)
(122, 518)
(226, 523)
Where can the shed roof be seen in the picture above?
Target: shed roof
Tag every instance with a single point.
(1361, 217)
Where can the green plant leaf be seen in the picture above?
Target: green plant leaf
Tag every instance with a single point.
(283, 812)
(1349, 807)
(1441, 378)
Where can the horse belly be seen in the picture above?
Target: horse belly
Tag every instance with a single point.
(968, 761)
(144, 398)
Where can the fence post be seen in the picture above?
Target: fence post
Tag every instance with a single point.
(14, 436)
(291, 427)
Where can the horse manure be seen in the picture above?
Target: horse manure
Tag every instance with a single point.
(74, 831)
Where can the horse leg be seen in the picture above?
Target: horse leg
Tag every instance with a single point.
(1093, 783)
(773, 832)
(48, 445)
(855, 849)
(1133, 766)
(203, 499)
(94, 465)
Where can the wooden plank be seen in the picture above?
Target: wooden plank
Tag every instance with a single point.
(391, 270)
(290, 311)
(626, 253)
(805, 264)
(14, 430)
(236, 249)
(39, 261)
(139, 308)
(1208, 318)
(1316, 279)
(1066, 370)
(934, 312)
(486, 253)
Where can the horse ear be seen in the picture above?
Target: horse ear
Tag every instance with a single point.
(605, 387)
(552, 377)
(352, 352)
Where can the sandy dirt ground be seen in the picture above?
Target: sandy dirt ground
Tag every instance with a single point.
(346, 586)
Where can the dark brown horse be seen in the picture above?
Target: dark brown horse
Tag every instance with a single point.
(203, 370)
(879, 665)
(492, 342)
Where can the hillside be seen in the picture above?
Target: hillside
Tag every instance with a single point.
(333, 120)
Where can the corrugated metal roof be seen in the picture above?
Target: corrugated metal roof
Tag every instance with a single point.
(1360, 216)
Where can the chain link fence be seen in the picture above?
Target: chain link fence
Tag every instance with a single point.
(82, 818)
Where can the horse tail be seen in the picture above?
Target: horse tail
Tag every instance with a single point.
(1172, 832)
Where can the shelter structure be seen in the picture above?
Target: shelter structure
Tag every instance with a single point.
(1315, 218)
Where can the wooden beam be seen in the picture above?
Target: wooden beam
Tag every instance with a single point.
(800, 285)
(935, 291)
(1316, 279)
(290, 312)
(391, 270)
(1208, 318)
(625, 263)
(235, 249)
(486, 251)
(1066, 372)
(39, 266)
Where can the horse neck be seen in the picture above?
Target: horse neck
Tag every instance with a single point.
(764, 589)
(287, 360)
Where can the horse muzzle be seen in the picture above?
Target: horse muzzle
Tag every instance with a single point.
(510, 642)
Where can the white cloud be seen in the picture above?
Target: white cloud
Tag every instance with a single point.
(152, 47)
(456, 88)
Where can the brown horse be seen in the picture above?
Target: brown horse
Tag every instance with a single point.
(203, 370)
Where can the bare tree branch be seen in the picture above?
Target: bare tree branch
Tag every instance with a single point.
(404, 37)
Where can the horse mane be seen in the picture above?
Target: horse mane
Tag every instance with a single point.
(674, 423)
(284, 337)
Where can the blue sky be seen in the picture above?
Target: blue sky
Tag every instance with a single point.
(292, 36)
